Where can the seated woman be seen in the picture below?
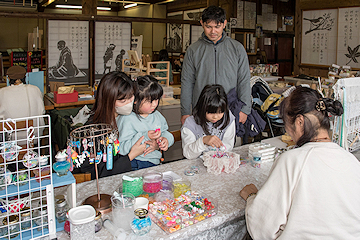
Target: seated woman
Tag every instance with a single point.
(313, 190)
(114, 98)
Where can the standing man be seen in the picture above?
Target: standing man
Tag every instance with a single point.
(215, 59)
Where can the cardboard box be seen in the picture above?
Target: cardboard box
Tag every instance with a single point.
(65, 98)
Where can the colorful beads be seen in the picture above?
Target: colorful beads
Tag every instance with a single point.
(181, 187)
(152, 187)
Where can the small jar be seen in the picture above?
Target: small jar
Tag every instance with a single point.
(41, 218)
(13, 225)
(152, 181)
(61, 208)
(82, 222)
(181, 187)
(256, 160)
(43, 171)
(133, 184)
(25, 216)
(61, 166)
(167, 183)
(141, 224)
(98, 222)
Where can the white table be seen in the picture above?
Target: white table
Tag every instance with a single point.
(229, 221)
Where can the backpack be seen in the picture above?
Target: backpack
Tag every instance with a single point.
(271, 105)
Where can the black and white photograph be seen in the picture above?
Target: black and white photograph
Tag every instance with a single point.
(174, 37)
(68, 51)
(112, 41)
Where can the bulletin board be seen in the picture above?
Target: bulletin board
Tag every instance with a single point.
(112, 42)
(68, 51)
(331, 36)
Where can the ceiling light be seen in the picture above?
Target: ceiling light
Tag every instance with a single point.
(104, 8)
(68, 6)
(130, 5)
(80, 7)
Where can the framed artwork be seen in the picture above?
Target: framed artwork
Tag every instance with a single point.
(112, 42)
(68, 51)
(174, 37)
(186, 37)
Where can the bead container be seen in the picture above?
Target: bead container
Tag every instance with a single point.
(12, 225)
(25, 218)
(132, 184)
(152, 181)
(181, 186)
(61, 166)
(61, 209)
(82, 222)
(141, 224)
(98, 222)
(123, 210)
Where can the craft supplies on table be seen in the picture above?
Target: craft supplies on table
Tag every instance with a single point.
(220, 161)
(186, 210)
(181, 186)
(141, 224)
(82, 222)
(131, 183)
(264, 150)
(152, 181)
(122, 210)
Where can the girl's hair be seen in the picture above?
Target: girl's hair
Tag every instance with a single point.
(113, 86)
(163, 55)
(212, 100)
(306, 101)
(148, 89)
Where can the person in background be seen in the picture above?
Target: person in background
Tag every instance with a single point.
(212, 125)
(179, 62)
(146, 121)
(20, 100)
(312, 190)
(215, 59)
(164, 56)
(114, 100)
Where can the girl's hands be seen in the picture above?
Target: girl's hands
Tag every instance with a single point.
(163, 143)
(154, 134)
(137, 149)
(213, 141)
(152, 146)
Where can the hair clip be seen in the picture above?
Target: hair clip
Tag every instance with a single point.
(320, 105)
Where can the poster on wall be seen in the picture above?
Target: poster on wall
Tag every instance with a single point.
(112, 41)
(319, 35)
(68, 51)
(348, 52)
(174, 37)
(186, 37)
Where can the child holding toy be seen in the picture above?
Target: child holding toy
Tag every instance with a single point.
(211, 125)
(146, 121)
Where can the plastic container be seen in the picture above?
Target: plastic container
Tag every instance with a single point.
(133, 184)
(168, 183)
(256, 160)
(141, 224)
(152, 181)
(98, 222)
(123, 210)
(61, 166)
(25, 218)
(82, 222)
(181, 187)
(61, 209)
(14, 226)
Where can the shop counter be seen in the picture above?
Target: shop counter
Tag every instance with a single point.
(228, 223)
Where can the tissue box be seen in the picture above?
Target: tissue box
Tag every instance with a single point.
(65, 98)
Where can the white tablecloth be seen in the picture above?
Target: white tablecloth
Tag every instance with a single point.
(229, 221)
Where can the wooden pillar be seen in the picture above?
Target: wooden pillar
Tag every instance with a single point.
(297, 50)
(89, 7)
(212, 3)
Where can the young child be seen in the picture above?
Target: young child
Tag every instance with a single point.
(211, 125)
(145, 121)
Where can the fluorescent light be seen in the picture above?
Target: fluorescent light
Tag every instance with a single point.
(68, 6)
(130, 5)
(104, 8)
(80, 7)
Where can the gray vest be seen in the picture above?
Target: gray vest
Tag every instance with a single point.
(199, 132)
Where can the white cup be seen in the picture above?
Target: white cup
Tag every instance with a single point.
(141, 202)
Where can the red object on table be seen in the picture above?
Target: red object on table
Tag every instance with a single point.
(65, 98)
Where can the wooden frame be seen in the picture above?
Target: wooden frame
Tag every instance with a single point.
(246, 39)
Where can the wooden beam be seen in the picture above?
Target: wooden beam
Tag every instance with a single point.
(212, 3)
(323, 4)
(185, 5)
(54, 16)
(89, 7)
(297, 50)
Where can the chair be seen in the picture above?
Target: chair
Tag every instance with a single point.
(177, 135)
(82, 177)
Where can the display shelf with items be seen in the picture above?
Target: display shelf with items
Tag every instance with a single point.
(26, 179)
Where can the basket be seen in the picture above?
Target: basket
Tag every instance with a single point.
(14, 205)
